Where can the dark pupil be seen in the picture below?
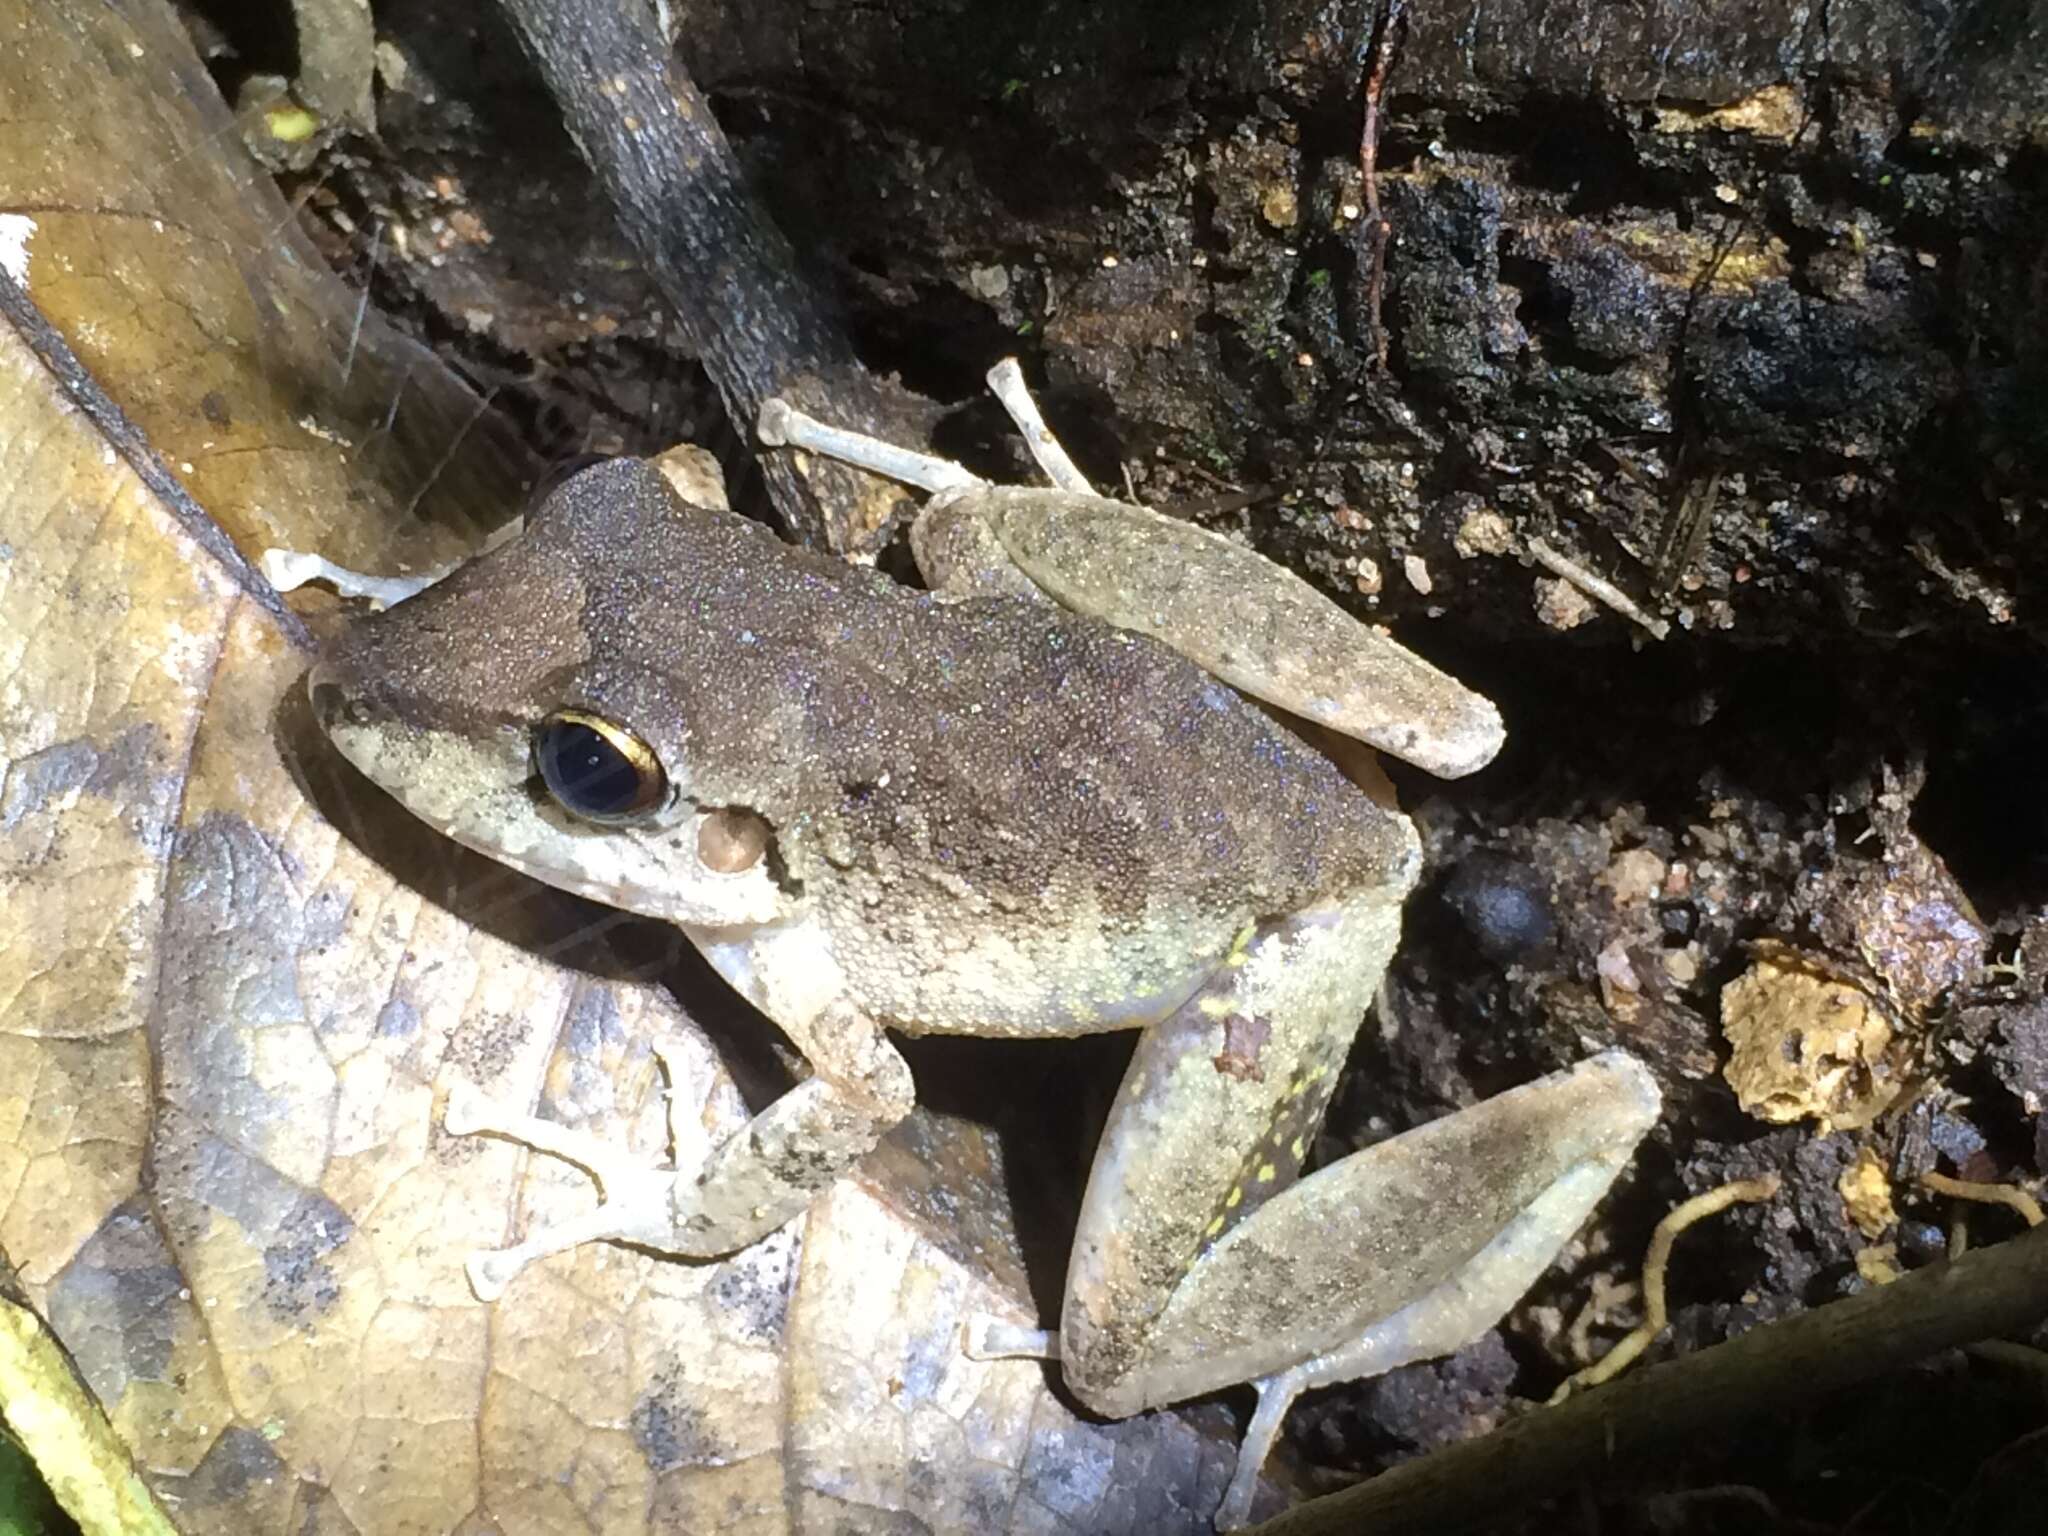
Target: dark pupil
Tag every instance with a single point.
(585, 771)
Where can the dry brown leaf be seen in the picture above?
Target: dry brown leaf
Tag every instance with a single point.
(168, 260)
(235, 983)
(276, 1316)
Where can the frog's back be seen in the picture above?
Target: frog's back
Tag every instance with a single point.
(1011, 818)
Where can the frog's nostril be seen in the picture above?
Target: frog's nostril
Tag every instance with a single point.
(333, 705)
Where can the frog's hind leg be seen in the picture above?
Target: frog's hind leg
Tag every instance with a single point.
(1006, 381)
(782, 425)
(1201, 1262)
(1616, 1094)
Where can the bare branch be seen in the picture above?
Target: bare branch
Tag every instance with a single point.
(1984, 1294)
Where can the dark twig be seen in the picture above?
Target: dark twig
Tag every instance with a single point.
(1984, 1294)
(1392, 27)
(648, 134)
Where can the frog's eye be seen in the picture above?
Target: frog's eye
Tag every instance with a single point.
(597, 769)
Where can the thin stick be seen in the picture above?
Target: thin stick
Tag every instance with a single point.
(355, 331)
(649, 136)
(1684, 535)
(1598, 588)
(1007, 380)
(1393, 25)
(1985, 1294)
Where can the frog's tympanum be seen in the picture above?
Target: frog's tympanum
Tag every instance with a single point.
(976, 811)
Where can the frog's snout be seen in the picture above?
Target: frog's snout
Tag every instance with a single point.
(348, 705)
(344, 714)
(329, 702)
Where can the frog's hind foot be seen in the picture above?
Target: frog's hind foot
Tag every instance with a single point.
(782, 425)
(1442, 1321)
(1006, 380)
(1462, 1307)
(1403, 1251)
(636, 1207)
(990, 1338)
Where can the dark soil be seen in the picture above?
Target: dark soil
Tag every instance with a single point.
(1739, 307)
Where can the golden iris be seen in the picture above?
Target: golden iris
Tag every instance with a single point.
(596, 768)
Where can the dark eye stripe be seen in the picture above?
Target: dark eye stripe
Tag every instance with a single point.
(596, 769)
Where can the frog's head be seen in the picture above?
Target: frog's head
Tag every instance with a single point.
(520, 708)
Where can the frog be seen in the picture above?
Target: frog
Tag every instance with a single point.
(1087, 779)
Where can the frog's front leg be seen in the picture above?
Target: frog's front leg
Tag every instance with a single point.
(764, 1174)
(1201, 1262)
(634, 1203)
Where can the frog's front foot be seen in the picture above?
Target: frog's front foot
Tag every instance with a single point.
(714, 1200)
(289, 569)
(638, 1201)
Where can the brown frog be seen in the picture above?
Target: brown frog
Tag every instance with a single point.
(975, 811)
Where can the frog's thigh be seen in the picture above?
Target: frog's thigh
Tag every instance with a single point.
(1403, 1251)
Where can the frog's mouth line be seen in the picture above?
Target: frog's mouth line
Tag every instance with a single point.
(740, 899)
